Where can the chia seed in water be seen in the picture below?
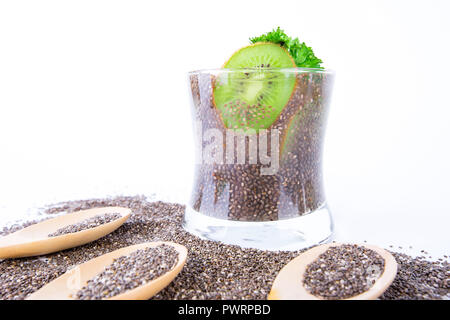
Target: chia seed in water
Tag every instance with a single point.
(239, 191)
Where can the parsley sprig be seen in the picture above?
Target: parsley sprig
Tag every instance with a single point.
(303, 55)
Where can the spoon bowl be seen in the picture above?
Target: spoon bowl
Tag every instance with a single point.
(288, 284)
(66, 286)
(34, 240)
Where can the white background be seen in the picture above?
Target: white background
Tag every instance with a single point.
(93, 102)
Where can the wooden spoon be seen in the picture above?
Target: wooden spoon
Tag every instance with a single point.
(66, 286)
(34, 240)
(288, 285)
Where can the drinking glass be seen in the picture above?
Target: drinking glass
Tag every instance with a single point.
(258, 178)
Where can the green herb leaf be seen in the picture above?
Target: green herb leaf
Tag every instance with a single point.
(303, 55)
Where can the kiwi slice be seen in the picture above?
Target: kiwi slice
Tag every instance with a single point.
(253, 97)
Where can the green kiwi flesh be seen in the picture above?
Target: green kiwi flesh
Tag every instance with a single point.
(253, 98)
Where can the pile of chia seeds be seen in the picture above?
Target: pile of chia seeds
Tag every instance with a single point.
(418, 279)
(129, 272)
(212, 271)
(343, 271)
(239, 191)
(90, 223)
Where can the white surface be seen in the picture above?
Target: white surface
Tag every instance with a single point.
(93, 102)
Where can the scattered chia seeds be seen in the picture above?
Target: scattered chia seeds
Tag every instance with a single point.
(419, 279)
(212, 271)
(343, 271)
(92, 222)
(129, 272)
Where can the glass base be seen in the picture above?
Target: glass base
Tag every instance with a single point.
(289, 234)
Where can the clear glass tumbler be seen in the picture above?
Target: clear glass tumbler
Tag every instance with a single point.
(258, 175)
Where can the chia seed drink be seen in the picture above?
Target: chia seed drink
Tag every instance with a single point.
(265, 179)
